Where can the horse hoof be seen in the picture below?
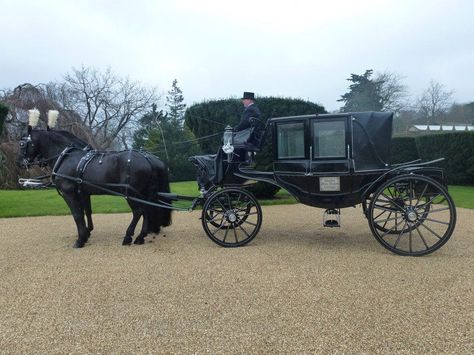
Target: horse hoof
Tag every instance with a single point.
(78, 244)
(139, 241)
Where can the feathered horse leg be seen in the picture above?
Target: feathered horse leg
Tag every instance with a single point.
(88, 212)
(137, 214)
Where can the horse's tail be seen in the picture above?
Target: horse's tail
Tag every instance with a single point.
(159, 216)
(164, 186)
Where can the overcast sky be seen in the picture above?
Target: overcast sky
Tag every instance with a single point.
(217, 49)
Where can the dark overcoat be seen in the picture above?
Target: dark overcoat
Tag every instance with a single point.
(250, 111)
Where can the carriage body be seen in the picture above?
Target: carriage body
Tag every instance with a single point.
(333, 161)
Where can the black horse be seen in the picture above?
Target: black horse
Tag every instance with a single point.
(79, 172)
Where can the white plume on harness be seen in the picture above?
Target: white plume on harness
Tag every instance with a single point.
(33, 117)
(52, 118)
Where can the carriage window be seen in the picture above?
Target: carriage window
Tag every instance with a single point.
(290, 140)
(329, 139)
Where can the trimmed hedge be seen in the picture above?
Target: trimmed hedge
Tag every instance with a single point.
(211, 116)
(457, 149)
(404, 150)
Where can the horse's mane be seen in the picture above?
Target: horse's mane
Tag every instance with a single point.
(69, 138)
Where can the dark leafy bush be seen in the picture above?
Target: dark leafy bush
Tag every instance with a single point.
(3, 116)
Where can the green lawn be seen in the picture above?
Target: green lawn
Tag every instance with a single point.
(22, 203)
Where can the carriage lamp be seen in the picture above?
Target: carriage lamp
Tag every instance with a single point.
(227, 147)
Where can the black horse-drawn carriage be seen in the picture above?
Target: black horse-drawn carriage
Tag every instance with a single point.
(328, 161)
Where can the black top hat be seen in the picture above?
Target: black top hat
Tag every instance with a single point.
(248, 95)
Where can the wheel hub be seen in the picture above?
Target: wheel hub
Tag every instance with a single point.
(231, 216)
(411, 215)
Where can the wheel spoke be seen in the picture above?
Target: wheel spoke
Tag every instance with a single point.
(422, 194)
(409, 240)
(436, 221)
(220, 203)
(432, 199)
(387, 220)
(381, 213)
(216, 215)
(400, 235)
(432, 231)
(235, 235)
(243, 230)
(230, 203)
(250, 213)
(393, 228)
(218, 229)
(252, 224)
(243, 209)
(390, 192)
(392, 201)
(225, 235)
(422, 238)
(383, 208)
(439, 210)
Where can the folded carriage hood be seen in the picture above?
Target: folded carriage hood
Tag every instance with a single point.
(371, 140)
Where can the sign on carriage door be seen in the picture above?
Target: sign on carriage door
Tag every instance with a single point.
(329, 154)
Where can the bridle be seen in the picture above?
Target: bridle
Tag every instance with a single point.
(25, 143)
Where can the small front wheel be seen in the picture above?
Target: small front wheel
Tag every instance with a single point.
(231, 217)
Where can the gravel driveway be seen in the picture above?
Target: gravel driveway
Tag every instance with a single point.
(298, 287)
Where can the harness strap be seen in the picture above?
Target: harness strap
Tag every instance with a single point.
(161, 204)
(127, 178)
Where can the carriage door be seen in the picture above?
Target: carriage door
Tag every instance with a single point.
(330, 146)
(291, 164)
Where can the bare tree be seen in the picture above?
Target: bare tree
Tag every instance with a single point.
(108, 104)
(434, 102)
(393, 93)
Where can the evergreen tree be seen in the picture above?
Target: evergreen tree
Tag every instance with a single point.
(364, 94)
(163, 134)
(147, 124)
(174, 104)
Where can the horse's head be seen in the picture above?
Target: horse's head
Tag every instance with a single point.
(35, 141)
(29, 151)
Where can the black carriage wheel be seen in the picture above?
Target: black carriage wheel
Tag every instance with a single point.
(210, 214)
(231, 217)
(412, 215)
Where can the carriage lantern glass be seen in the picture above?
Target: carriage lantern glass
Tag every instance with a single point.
(228, 138)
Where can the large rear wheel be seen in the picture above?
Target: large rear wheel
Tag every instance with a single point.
(412, 215)
(231, 217)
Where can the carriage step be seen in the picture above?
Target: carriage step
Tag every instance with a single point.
(331, 218)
